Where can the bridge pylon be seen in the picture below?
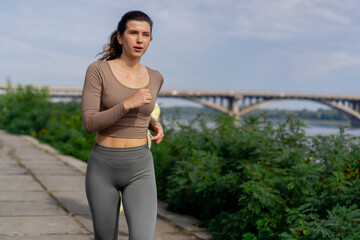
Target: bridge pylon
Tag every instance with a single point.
(355, 122)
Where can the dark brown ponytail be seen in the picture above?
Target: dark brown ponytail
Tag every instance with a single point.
(113, 49)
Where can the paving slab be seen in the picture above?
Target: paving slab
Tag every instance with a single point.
(15, 170)
(63, 183)
(173, 236)
(34, 157)
(48, 237)
(75, 202)
(164, 227)
(7, 163)
(86, 221)
(164, 231)
(73, 162)
(23, 196)
(52, 170)
(39, 225)
(44, 147)
(123, 227)
(42, 164)
(27, 153)
(4, 158)
(185, 222)
(18, 183)
(30, 209)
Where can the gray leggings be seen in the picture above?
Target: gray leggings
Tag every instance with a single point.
(130, 171)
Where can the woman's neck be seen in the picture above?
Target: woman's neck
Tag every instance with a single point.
(128, 63)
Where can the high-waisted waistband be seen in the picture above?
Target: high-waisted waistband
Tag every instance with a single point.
(121, 153)
(111, 149)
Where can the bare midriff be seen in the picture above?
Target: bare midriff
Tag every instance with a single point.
(115, 142)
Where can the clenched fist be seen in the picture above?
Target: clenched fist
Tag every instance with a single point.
(141, 97)
(158, 129)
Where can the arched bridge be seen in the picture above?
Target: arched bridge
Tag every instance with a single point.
(240, 102)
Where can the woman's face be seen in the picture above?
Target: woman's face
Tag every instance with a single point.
(136, 38)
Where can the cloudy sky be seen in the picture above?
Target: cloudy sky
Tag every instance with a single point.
(306, 46)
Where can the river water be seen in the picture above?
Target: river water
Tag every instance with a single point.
(316, 130)
(312, 128)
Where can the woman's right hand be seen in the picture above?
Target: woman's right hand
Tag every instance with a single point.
(141, 97)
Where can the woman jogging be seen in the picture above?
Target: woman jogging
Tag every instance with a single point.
(119, 95)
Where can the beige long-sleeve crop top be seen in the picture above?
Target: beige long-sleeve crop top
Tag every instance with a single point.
(102, 106)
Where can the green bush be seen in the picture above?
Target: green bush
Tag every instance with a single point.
(257, 180)
(65, 132)
(26, 110)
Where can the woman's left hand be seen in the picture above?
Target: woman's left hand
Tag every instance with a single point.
(158, 129)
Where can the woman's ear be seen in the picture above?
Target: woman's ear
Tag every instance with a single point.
(119, 38)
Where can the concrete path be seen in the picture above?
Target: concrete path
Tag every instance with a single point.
(42, 197)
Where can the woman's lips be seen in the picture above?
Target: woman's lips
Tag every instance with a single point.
(138, 48)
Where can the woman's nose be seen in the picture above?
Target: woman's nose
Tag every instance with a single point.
(139, 38)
